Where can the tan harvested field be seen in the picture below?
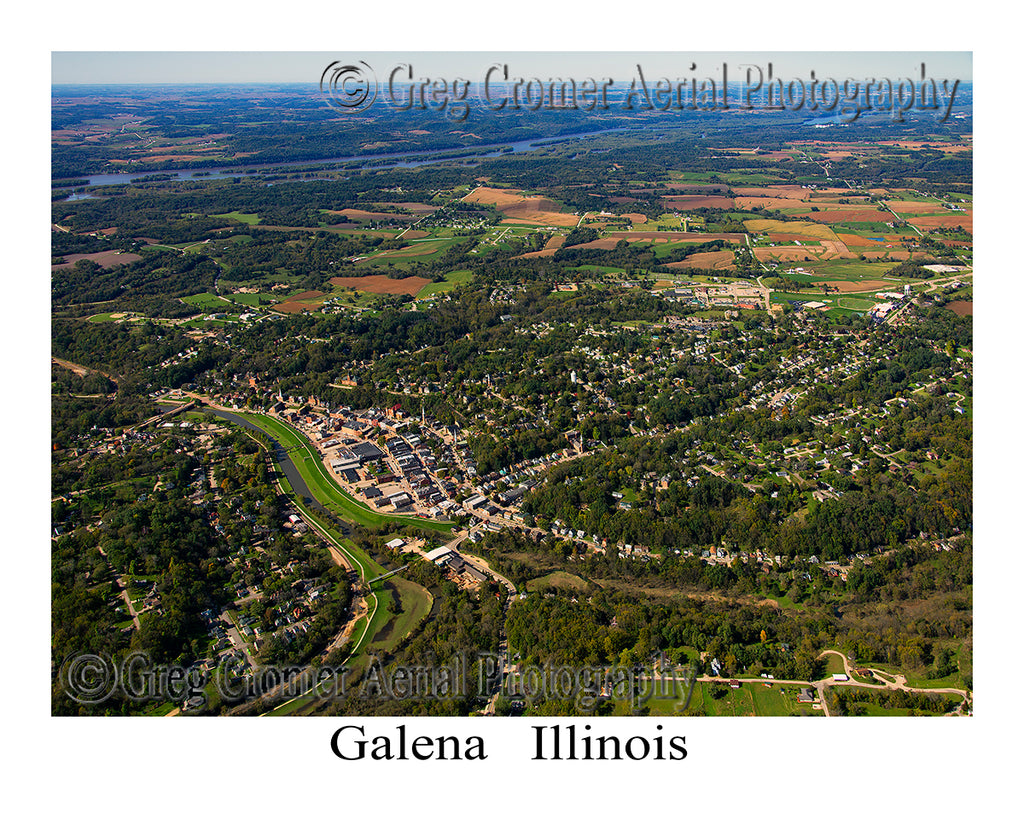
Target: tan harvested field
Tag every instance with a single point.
(415, 234)
(105, 259)
(853, 214)
(294, 307)
(788, 254)
(382, 284)
(961, 308)
(773, 203)
(859, 204)
(789, 237)
(549, 248)
(494, 196)
(548, 218)
(518, 209)
(307, 300)
(871, 285)
(307, 295)
(523, 210)
(713, 260)
(836, 250)
(963, 220)
(692, 202)
(777, 191)
(606, 243)
(839, 201)
(505, 199)
(809, 230)
(915, 207)
(841, 193)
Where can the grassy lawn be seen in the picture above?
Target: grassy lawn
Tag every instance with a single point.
(851, 303)
(953, 680)
(834, 665)
(785, 603)
(745, 178)
(752, 699)
(451, 281)
(415, 601)
(356, 299)
(206, 301)
(252, 299)
(558, 580)
(246, 218)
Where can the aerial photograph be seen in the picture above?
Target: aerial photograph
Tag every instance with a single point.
(522, 385)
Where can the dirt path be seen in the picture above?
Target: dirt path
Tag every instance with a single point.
(80, 370)
(342, 637)
(339, 558)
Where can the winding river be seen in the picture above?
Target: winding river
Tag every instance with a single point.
(284, 460)
(407, 159)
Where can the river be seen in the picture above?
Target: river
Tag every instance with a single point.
(284, 460)
(406, 159)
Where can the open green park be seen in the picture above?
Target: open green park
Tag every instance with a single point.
(751, 699)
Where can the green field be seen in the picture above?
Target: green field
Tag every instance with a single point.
(851, 303)
(558, 580)
(417, 250)
(834, 665)
(415, 602)
(252, 299)
(451, 281)
(99, 318)
(207, 301)
(745, 178)
(751, 699)
(246, 218)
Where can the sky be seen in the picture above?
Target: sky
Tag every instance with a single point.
(116, 67)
